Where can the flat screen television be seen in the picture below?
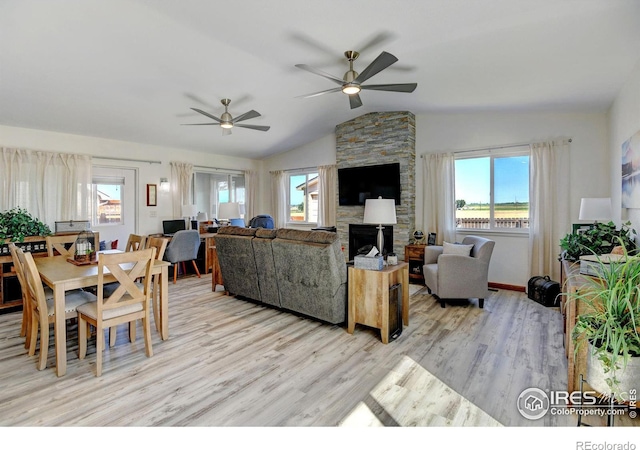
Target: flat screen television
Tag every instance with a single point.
(356, 184)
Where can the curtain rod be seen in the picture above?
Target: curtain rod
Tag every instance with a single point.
(219, 168)
(296, 169)
(496, 147)
(128, 159)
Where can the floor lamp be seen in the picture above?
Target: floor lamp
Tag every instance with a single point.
(380, 211)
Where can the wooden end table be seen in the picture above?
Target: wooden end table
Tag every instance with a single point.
(369, 297)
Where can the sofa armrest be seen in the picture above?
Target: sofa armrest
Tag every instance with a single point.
(431, 253)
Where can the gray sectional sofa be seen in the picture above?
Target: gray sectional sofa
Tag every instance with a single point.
(299, 271)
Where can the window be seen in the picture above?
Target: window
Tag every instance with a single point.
(107, 196)
(211, 189)
(492, 192)
(303, 198)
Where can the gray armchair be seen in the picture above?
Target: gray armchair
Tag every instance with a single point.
(450, 276)
(183, 247)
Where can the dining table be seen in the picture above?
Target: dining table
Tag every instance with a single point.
(62, 275)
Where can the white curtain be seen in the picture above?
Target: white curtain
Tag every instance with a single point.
(279, 198)
(548, 206)
(327, 181)
(250, 195)
(50, 186)
(438, 192)
(181, 175)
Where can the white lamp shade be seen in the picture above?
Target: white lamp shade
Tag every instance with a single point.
(189, 210)
(202, 217)
(230, 210)
(379, 211)
(595, 209)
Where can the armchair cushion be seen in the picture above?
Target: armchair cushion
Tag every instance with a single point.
(456, 249)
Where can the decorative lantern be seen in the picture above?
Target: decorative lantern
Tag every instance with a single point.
(85, 247)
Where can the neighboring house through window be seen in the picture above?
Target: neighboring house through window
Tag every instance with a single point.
(303, 197)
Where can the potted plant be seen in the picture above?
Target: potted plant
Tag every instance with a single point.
(611, 326)
(598, 240)
(17, 223)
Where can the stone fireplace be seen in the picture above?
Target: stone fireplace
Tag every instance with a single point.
(373, 139)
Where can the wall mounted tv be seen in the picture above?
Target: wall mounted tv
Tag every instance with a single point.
(356, 184)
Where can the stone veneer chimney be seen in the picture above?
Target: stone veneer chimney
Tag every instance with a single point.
(380, 138)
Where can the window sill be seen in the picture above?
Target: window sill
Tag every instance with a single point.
(505, 232)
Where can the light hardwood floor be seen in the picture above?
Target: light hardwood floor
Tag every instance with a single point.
(230, 362)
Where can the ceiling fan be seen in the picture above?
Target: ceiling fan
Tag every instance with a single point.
(227, 122)
(351, 82)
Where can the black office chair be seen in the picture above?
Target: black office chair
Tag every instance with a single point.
(183, 247)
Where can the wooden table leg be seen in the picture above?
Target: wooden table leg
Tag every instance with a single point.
(405, 296)
(60, 331)
(351, 307)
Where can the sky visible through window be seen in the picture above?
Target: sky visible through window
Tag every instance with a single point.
(511, 178)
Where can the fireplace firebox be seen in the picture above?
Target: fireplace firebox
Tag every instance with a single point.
(361, 235)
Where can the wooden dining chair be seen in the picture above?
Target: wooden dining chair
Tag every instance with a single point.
(25, 329)
(160, 244)
(42, 313)
(65, 244)
(135, 242)
(128, 303)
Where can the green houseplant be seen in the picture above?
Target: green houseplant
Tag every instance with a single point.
(17, 223)
(598, 240)
(611, 326)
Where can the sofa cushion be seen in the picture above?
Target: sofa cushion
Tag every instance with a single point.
(266, 233)
(320, 237)
(237, 231)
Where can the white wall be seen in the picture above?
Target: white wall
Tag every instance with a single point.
(624, 122)
(147, 173)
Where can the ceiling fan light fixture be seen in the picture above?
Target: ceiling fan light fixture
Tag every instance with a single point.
(351, 89)
(226, 124)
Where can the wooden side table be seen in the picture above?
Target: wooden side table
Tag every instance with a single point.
(369, 297)
(414, 256)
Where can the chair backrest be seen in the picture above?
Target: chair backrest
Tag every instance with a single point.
(126, 268)
(160, 244)
(135, 242)
(482, 247)
(19, 268)
(34, 287)
(262, 221)
(65, 244)
(184, 246)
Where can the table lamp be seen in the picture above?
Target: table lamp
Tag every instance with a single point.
(227, 211)
(189, 211)
(380, 211)
(595, 209)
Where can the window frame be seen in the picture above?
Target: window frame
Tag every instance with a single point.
(236, 193)
(107, 180)
(492, 155)
(295, 173)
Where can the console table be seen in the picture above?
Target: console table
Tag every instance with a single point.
(369, 297)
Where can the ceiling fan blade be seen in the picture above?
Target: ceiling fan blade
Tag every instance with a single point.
(354, 101)
(226, 131)
(248, 115)
(402, 87)
(254, 127)
(212, 123)
(383, 61)
(338, 89)
(320, 72)
(375, 41)
(206, 114)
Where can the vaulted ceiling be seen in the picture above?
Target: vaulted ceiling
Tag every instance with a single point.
(132, 69)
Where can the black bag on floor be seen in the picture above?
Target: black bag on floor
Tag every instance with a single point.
(544, 291)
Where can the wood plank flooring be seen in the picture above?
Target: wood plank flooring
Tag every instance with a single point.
(231, 362)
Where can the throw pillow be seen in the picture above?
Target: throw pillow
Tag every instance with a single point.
(456, 249)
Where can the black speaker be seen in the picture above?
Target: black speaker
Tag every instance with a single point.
(395, 311)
